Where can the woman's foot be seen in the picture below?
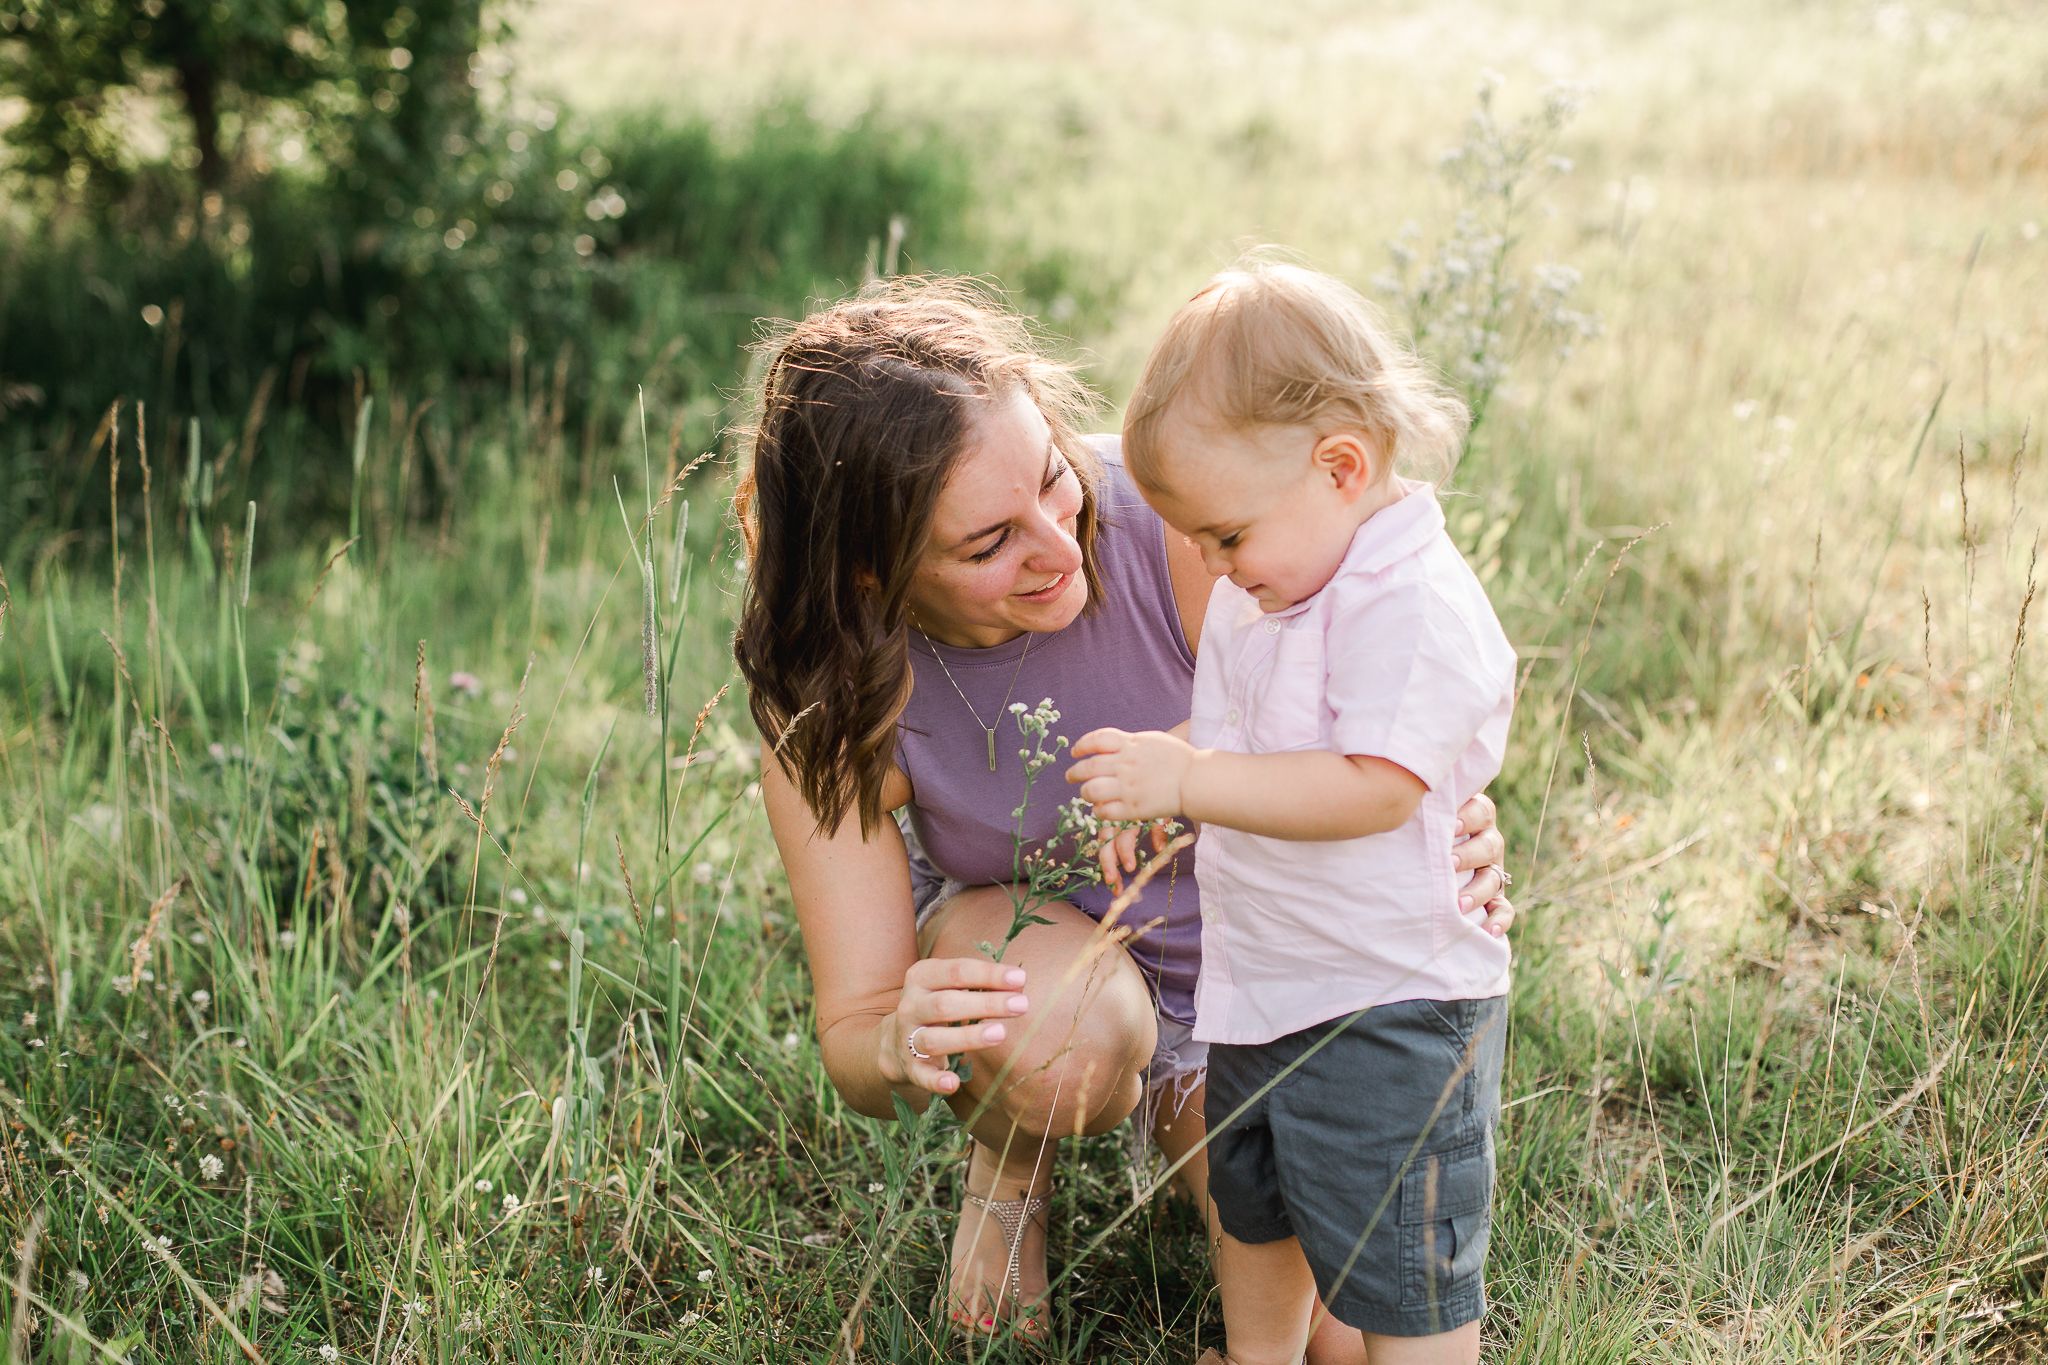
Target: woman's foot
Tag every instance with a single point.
(998, 1267)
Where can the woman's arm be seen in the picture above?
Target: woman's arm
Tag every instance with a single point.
(853, 902)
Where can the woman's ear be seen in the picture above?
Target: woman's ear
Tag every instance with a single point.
(1349, 461)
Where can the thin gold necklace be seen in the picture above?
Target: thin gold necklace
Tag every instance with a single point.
(989, 730)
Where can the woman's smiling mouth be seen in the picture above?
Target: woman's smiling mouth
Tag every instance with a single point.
(1046, 593)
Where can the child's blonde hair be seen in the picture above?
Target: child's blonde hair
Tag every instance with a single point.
(1275, 344)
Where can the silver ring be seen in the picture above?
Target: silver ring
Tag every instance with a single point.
(1506, 880)
(911, 1043)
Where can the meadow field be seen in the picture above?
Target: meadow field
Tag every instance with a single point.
(387, 975)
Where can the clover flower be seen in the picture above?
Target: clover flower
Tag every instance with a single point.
(211, 1166)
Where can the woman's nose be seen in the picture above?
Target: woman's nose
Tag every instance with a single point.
(1054, 550)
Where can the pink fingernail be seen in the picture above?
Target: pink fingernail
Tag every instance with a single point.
(1019, 1003)
(1464, 902)
(1014, 977)
(994, 1033)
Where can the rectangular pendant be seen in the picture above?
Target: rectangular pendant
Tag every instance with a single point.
(991, 749)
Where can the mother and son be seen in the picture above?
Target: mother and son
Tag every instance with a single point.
(1264, 631)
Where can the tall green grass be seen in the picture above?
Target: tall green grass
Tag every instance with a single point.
(411, 1066)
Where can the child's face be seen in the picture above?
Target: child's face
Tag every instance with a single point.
(1274, 507)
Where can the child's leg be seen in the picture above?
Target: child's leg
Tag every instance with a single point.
(1179, 1132)
(1457, 1347)
(1268, 1294)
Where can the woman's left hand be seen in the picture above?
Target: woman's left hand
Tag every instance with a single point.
(1481, 856)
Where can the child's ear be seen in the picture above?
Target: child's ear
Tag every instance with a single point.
(1349, 461)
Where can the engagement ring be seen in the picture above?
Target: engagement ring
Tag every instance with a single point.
(911, 1043)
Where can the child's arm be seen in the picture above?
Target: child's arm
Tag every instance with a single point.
(1311, 794)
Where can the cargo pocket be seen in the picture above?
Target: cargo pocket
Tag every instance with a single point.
(1446, 1219)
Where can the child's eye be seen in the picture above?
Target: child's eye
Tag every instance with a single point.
(1230, 541)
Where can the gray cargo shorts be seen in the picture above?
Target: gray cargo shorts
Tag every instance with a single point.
(1376, 1151)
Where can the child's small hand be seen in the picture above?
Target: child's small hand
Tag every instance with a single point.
(1131, 776)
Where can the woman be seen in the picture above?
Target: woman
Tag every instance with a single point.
(932, 542)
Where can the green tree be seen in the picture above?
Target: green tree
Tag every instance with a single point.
(370, 89)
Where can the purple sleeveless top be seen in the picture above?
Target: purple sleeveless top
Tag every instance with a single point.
(1125, 664)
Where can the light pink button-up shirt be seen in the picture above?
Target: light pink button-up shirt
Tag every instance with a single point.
(1400, 657)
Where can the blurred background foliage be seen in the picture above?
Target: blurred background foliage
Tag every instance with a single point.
(254, 213)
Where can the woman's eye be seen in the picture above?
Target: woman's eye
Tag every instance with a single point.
(1059, 471)
(995, 547)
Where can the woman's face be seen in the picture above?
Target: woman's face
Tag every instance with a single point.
(1002, 558)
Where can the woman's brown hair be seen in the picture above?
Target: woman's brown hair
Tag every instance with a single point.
(863, 410)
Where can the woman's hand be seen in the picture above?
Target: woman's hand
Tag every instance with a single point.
(1481, 856)
(942, 1000)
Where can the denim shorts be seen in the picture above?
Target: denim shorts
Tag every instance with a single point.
(1375, 1150)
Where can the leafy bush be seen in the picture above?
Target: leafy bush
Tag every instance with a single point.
(592, 245)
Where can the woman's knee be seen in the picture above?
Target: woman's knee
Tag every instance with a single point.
(1076, 1060)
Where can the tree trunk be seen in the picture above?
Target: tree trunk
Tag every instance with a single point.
(199, 83)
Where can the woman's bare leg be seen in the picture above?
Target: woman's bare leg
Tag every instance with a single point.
(1180, 1132)
(1073, 1064)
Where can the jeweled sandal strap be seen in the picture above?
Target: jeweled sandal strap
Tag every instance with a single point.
(1014, 1217)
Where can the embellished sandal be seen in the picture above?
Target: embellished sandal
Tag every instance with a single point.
(1014, 1217)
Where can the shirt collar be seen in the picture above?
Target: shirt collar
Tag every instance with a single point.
(1395, 531)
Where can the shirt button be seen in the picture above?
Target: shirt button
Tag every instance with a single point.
(1208, 915)
(1272, 626)
(1231, 716)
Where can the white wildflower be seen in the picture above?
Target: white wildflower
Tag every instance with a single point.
(875, 1187)
(704, 1277)
(211, 1166)
(330, 1352)
(163, 1245)
(554, 964)
(79, 1281)
(123, 985)
(703, 874)
(483, 1187)
(200, 998)
(472, 1321)
(595, 1276)
(35, 1042)
(510, 1204)
(516, 895)
(416, 1309)
(287, 938)
(28, 1020)
(790, 1040)
(690, 1319)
